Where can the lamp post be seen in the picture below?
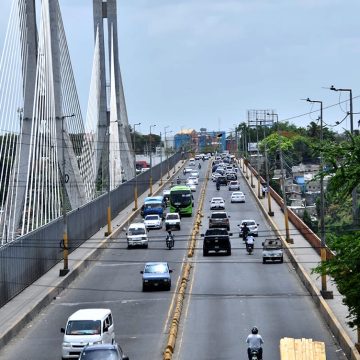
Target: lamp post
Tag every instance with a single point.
(286, 215)
(65, 240)
(257, 159)
(324, 292)
(135, 176)
(151, 180)
(166, 151)
(161, 172)
(354, 192)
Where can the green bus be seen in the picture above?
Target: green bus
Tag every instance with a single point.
(182, 200)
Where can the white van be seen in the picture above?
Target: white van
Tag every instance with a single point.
(87, 327)
(137, 235)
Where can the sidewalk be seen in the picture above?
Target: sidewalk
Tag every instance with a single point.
(27, 305)
(308, 258)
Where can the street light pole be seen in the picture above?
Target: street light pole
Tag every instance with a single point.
(151, 179)
(355, 211)
(324, 292)
(161, 173)
(166, 154)
(65, 241)
(135, 176)
(257, 159)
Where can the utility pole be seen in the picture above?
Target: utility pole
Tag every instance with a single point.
(286, 215)
(135, 176)
(355, 208)
(324, 292)
(161, 173)
(167, 154)
(65, 241)
(151, 179)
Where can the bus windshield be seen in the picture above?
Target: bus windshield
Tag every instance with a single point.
(181, 198)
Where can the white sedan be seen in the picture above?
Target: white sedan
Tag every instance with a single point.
(194, 179)
(234, 185)
(217, 203)
(191, 185)
(153, 222)
(194, 173)
(237, 196)
(214, 176)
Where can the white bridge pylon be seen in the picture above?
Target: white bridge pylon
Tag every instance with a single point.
(41, 126)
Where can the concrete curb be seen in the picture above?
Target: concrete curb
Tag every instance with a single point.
(339, 332)
(64, 282)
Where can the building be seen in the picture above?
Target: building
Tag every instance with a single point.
(211, 141)
(186, 139)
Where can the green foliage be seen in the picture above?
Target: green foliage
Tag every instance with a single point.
(344, 268)
(273, 141)
(343, 161)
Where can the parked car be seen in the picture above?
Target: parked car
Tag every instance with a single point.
(172, 221)
(272, 250)
(103, 351)
(136, 235)
(219, 219)
(153, 222)
(217, 203)
(216, 240)
(237, 196)
(156, 275)
(234, 185)
(252, 225)
(86, 326)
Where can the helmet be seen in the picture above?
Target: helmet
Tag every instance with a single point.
(169, 232)
(245, 224)
(254, 330)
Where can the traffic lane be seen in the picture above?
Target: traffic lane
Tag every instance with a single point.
(112, 281)
(229, 295)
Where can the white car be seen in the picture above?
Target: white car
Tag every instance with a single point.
(194, 179)
(237, 196)
(234, 185)
(251, 224)
(215, 175)
(172, 220)
(191, 185)
(192, 162)
(195, 173)
(187, 170)
(153, 221)
(217, 203)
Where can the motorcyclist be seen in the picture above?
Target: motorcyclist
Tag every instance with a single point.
(250, 241)
(199, 166)
(245, 231)
(255, 341)
(217, 184)
(178, 180)
(169, 237)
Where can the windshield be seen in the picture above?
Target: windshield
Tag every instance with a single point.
(219, 215)
(180, 198)
(250, 223)
(152, 205)
(104, 354)
(217, 199)
(156, 269)
(137, 231)
(172, 217)
(83, 327)
(152, 217)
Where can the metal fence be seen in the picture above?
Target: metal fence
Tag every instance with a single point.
(29, 257)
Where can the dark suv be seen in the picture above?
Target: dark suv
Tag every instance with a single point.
(219, 219)
(221, 180)
(216, 240)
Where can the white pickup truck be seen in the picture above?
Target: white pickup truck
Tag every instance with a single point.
(172, 221)
(272, 250)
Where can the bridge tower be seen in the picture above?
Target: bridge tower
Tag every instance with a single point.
(115, 157)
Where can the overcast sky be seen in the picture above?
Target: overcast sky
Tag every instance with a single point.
(204, 63)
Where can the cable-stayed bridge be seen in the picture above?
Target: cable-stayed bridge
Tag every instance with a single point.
(51, 157)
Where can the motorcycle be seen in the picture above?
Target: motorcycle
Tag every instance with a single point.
(178, 181)
(249, 248)
(199, 166)
(170, 242)
(255, 355)
(218, 186)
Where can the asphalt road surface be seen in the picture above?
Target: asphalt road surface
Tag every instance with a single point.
(226, 297)
(230, 295)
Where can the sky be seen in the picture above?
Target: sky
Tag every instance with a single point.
(204, 63)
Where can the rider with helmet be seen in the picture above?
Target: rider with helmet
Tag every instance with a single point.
(255, 341)
(169, 237)
(250, 241)
(245, 231)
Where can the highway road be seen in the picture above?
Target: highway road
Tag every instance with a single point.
(113, 281)
(227, 296)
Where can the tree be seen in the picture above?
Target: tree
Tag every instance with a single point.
(344, 268)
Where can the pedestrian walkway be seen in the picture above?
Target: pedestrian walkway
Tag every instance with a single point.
(18, 312)
(305, 255)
